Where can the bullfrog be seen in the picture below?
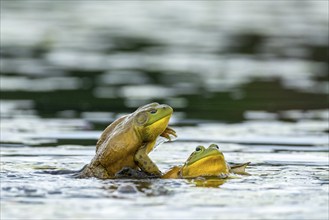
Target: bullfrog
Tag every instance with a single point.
(128, 140)
(205, 162)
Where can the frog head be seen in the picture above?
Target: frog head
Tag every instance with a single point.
(151, 120)
(205, 162)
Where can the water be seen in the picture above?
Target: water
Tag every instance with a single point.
(250, 76)
(289, 167)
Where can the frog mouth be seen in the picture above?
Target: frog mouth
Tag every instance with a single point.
(211, 158)
(162, 122)
(211, 165)
(212, 155)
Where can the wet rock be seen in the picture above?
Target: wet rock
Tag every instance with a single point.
(128, 172)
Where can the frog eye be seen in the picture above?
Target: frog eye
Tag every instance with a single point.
(214, 146)
(153, 111)
(198, 148)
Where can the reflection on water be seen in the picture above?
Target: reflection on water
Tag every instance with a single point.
(249, 76)
(211, 182)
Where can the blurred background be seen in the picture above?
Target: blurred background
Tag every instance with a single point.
(210, 60)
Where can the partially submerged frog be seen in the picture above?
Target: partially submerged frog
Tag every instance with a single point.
(128, 140)
(205, 162)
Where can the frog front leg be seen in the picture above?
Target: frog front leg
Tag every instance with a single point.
(169, 131)
(144, 162)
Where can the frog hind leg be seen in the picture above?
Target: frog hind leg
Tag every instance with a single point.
(144, 162)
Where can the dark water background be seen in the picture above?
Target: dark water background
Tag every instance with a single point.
(251, 76)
